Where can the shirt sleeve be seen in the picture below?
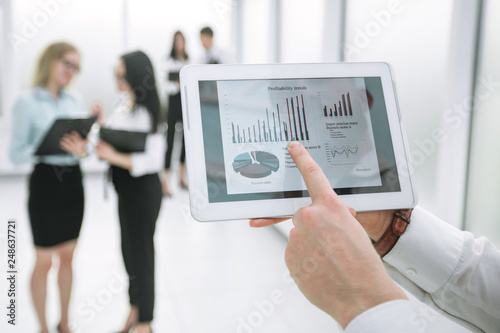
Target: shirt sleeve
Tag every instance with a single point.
(402, 316)
(460, 273)
(21, 147)
(151, 160)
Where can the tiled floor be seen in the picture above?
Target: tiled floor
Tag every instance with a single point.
(219, 277)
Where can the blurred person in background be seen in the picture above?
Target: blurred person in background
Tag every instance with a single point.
(56, 198)
(212, 53)
(136, 181)
(177, 59)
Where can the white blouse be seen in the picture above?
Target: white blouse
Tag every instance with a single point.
(167, 66)
(139, 120)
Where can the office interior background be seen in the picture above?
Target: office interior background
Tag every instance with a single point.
(445, 57)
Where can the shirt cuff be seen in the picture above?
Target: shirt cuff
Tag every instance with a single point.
(428, 252)
(389, 317)
(409, 316)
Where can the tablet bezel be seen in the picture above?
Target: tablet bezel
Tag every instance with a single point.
(202, 210)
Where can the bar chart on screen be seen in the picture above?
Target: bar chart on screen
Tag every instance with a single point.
(336, 105)
(278, 120)
(259, 117)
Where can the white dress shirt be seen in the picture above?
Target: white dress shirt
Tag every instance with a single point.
(171, 65)
(215, 55)
(452, 281)
(139, 120)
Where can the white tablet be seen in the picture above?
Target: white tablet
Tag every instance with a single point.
(238, 120)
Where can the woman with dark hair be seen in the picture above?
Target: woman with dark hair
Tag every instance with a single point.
(136, 181)
(178, 58)
(56, 199)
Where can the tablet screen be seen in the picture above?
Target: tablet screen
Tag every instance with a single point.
(342, 122)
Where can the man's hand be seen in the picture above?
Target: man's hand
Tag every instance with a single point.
(329, 255)
(375, 223)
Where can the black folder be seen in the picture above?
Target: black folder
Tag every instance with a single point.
(124, 141)
(173, 76)
(61, 126)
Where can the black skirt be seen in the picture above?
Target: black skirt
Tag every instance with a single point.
(55, 204)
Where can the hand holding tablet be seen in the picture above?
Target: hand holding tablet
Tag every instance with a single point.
(240, 118)
(374, 222)
(328, 238)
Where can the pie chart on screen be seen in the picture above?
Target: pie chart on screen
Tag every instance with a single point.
(256, 164)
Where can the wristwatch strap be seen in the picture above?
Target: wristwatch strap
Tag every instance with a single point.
(394, 231)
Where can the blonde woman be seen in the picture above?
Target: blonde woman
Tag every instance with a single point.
(56, 198)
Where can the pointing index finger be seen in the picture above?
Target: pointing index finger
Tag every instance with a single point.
(316, 181)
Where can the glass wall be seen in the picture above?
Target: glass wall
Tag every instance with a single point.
(93, 27)
(290, 30)
(483, 196)
(102, 31)
(152, 24)
(415, 41)
(302, 29)
(257, 43)
(2, 56)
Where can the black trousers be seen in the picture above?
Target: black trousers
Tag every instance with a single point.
(139, 202)
(174, 116)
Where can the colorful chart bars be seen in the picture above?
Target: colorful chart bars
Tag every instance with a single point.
(281, 130)
(344, 108)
